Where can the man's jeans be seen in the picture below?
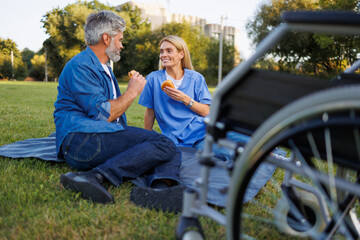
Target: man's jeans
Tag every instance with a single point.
(124, 155)
(223, 153)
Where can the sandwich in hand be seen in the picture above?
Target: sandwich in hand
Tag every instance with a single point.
(167, 83)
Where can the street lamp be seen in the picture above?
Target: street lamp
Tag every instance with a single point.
(12, 65)
(221, 49)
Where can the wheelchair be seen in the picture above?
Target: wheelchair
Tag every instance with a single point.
(314, 191)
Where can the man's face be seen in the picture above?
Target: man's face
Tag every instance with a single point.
(113, 51)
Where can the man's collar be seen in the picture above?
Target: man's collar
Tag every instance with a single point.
(94, 58)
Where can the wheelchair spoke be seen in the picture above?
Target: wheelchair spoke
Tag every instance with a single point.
(357, 141)
(332, 188)
(308, 170)
(313, 146)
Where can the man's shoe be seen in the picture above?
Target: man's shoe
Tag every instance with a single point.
(167, 199)
(89, 184)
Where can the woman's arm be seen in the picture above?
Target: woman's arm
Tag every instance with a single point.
(149, 118)
(199, 108)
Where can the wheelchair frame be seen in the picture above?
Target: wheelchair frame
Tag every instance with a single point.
(195, 203)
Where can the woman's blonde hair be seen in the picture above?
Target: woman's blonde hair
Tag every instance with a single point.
(180, 45)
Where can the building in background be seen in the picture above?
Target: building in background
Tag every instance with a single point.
(157, 15)
(154, 12)
(214, 30)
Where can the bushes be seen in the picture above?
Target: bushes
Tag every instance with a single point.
(7, 71)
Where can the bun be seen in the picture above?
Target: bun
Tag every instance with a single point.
(131, 73)
(167, 83)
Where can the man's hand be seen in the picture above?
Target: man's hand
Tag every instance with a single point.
(136, 84)
(122, 103)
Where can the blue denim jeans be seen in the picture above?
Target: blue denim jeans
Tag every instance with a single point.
(124, 155)
(223, 153)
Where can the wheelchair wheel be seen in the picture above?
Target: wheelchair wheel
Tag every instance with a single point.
(189, 228)
(193, 235)
(289, 225)
(321, 133)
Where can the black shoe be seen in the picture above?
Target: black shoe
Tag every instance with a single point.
(168, 199)
(89, 184)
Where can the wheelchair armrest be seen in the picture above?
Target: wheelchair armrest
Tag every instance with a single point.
(322, 17)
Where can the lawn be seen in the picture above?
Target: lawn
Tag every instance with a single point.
(33, 204)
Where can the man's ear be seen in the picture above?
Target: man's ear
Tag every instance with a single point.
(106, 38)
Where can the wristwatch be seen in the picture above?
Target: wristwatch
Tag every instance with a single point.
(191, 103)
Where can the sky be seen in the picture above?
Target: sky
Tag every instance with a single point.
(20, 20)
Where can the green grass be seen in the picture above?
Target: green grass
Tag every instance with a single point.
(34, 205)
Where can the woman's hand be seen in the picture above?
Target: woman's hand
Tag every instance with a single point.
(199, 108)
(177, 95)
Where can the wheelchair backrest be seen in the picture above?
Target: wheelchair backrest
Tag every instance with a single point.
(259, 94)
(247, 96)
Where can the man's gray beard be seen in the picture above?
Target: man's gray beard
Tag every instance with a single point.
(111, 53)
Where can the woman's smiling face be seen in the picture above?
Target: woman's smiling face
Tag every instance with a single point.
(169, 55)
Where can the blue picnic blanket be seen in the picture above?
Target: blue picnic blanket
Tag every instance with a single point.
(44, 149)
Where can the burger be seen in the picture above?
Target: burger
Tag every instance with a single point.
(167, 83)
(131, 73)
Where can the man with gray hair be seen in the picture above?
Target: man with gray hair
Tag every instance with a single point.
(91, 130)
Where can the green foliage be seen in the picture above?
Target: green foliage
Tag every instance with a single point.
(317, 53)
(141, 45)
(338, 4)
(66, 30)
(38, 67)
(142, 51)
(8, 45)
(138, 43)
(7, 68)
(35, 63)
(212, 54)
(26, 56)
(20, 69)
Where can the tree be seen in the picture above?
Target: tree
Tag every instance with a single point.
(141, 45)
(316, 52)
(26, 56)
(66, 31)
(138, 43)
(38, 67)
(65, 27)
(5, 67)
(212, 54)
(8, 45)
(142, 50)
(9, 68)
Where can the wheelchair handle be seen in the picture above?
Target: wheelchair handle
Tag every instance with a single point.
(322, 17)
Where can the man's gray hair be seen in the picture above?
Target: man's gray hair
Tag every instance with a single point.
(102, 22)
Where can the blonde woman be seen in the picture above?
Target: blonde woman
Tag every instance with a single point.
(179, 111)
